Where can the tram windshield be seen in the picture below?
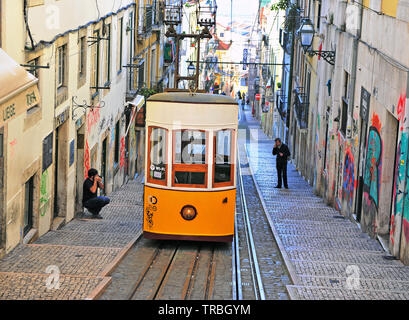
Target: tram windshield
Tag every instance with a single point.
(223, 157)
(190, 147)
(189, 163)
(157, 148)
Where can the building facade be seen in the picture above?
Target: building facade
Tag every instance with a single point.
(354, 109)
(90, 66)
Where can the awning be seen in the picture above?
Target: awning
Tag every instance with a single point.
(18, 89)
(137, 103)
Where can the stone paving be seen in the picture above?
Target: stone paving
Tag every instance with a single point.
(328, 256)
(74, 263)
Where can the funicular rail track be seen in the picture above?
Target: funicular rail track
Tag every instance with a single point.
(245, 252)
(176, 270)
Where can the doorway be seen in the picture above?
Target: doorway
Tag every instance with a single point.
(391, 134)
(60, 170)
(28, 205)
(127, 121)
(80, 167)
(103, 163)
(2, 218)
(56, 176)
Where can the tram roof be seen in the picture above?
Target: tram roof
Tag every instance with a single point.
(186, 97)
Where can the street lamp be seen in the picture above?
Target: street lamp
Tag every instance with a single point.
(191, 69)
(306, 36)
(306, 32)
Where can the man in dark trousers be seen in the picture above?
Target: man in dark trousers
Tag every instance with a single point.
(90, 200)
(282, 152)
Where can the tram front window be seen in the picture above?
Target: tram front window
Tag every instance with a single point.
(189, 162)
(223, 164)
(157, 152)
(190, 147)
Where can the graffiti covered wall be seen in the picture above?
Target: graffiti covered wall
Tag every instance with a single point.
(372, 175)
(399, 232)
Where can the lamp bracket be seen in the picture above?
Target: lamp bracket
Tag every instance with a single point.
(84, 106)
(328, 56)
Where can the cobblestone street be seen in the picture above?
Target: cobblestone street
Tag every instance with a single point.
(328, 257)
(84, 252)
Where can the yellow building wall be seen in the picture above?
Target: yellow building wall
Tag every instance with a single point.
(390, 7)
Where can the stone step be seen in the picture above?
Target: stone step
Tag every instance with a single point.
(342, 269)
(341, 256)
(87, 239)
(311, 229)
(361, 284)
(330, 243)
(327, 293)
(73, 260)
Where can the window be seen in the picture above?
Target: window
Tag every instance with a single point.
(345, 97)
(189, 158)
(95, 63)
(82, 57)
(34, 63)
(146, 75)
(153, 67)
(157, 164)
(223, 164)
(107, 54)
(131, 45)
(61, 70)
(120, 39)
(47, 151)
(141, 74)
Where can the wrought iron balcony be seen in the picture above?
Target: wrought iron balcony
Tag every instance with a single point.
(281, 103)
(145, 19)
(301, 107)
(158, 14)
(135, 81)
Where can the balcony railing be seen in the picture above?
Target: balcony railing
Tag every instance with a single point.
(135, 77)
(158, 13)
(301, 106)
(145, 20)
(282, 104)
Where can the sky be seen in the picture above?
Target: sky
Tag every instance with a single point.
(244, 11)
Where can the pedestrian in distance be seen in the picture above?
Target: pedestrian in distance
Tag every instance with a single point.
(90, 199)
(283, 153)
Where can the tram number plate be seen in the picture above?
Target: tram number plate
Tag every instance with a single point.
(157, 174)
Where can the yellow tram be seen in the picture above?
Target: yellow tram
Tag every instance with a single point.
(190, 169)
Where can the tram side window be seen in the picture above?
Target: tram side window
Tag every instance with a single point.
(157, 150)
(223, 157)
(190, 158)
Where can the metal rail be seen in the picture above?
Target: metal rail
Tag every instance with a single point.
(256, 274)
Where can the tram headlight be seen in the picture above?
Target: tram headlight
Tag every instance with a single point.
(188, 212)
